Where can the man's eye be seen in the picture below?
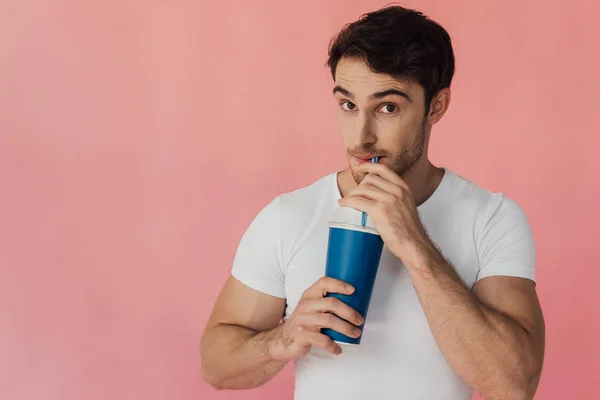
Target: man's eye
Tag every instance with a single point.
(389, 109)
(347, 106)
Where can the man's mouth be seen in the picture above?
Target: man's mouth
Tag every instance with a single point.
(364, 159)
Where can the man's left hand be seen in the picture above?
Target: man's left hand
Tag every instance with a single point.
(388, 200)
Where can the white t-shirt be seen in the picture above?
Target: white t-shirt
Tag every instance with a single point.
(283, 252)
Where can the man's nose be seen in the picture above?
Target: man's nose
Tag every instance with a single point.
(365, 128)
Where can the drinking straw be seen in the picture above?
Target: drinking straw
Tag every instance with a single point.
(364, 214)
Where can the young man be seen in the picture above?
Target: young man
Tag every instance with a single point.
(454, 308)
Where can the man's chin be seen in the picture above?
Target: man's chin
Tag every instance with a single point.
(358, 176)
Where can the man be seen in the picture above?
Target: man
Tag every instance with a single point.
(454, 308)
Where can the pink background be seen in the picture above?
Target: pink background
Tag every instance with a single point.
(139, 138)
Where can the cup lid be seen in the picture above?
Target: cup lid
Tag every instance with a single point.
(350, 218)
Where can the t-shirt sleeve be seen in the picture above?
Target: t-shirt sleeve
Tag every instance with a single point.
(258, 260)
(505, 245)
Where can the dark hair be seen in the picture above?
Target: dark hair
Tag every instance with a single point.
(399, 42)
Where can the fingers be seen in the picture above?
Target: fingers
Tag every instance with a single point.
(372, 180)
(322, 341)
(315, 322)
(328, 320)
(382, 170)
(314, 312)
(327, 285)
(372, 192)
(359, 203)
(337, 307)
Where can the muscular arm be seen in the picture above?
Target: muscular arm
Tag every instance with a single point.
(245, 344)
(493, 337)
(235, 347)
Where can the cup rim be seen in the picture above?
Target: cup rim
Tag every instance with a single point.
(354, 227)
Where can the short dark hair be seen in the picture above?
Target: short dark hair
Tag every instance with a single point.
(399, 42)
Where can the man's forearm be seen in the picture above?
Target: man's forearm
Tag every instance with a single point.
(234, 357)
(490, 351)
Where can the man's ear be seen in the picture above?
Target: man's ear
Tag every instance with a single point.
(439, 105)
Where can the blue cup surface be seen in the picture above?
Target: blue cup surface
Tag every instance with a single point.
(353, 255)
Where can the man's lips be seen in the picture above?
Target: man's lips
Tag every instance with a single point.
(365, 159)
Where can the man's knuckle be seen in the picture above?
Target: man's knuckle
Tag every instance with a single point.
(332, 302)
(330, 319)
(397, 191)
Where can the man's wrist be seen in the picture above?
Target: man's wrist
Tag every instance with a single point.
(424, 258)
(273, 344)
(421, 255)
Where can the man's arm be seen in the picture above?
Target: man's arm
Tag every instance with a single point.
(245, 345)
(235, 347)
(492, 337)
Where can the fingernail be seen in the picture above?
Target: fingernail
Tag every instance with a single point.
(349, 287)
(357, 332)
(360, 320)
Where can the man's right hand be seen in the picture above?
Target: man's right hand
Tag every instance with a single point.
(294, 338)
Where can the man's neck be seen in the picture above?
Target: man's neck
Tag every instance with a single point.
(423, 179)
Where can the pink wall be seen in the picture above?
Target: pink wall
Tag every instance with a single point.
(139, 138)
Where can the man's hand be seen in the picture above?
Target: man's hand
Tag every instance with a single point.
(294, 338)
(493, 336)
(388, 200)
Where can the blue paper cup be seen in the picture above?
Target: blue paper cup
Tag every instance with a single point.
(353, 254)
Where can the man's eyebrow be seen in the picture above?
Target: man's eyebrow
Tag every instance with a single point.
(377, 95)
(390, 92)
(343, 91)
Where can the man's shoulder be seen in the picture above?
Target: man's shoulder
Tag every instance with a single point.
(322, 189)
(466, 190)
(306, 203)
(487, 205)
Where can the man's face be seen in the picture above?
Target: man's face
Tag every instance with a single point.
(379, 115)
